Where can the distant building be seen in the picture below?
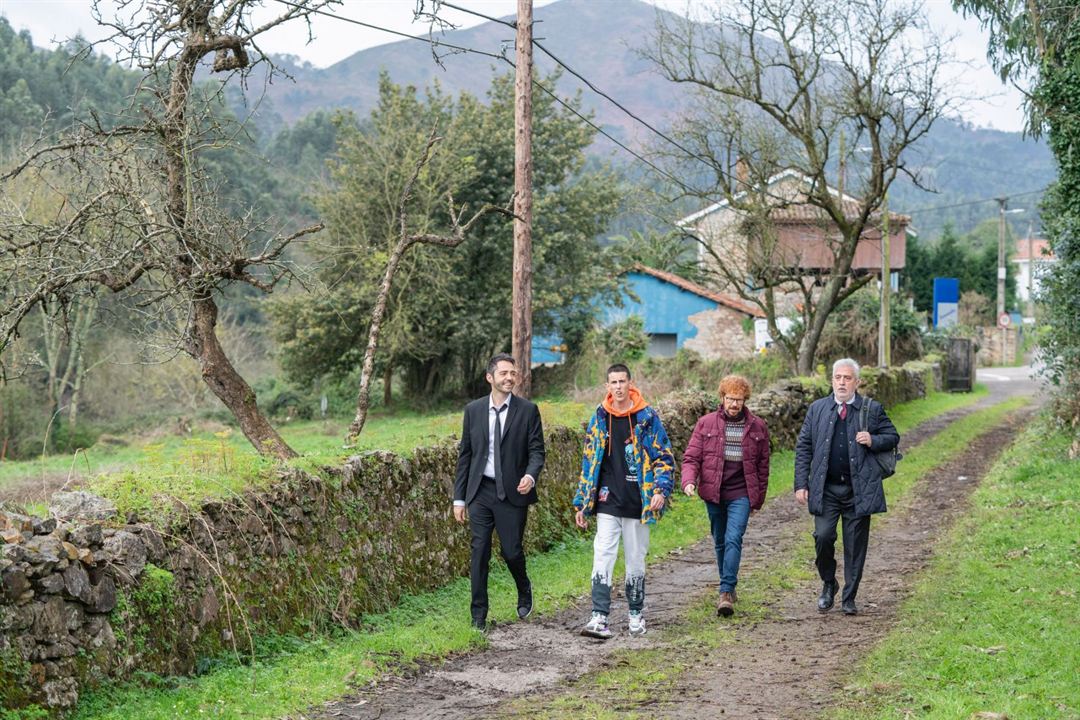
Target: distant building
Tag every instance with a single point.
(1031, 252)
(679, 313)
(803, 233)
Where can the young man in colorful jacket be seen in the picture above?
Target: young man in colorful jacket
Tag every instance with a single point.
(626, 478)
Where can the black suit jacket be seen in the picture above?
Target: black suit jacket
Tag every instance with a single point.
(522, 449)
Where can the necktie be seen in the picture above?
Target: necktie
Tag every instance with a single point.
(843, 411)
(497, 441)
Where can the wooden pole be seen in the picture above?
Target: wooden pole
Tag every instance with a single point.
(521, 335)
(885, 325)
(1031, 272)
(1001, 258)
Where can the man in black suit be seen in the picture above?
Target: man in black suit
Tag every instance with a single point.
(499, 460)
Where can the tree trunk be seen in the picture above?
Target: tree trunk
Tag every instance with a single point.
(225, 382)
(387, 389)
(363, 398)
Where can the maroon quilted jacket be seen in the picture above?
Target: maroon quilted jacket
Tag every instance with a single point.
(703, 461)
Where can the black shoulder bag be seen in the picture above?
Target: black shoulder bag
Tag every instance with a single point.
(886, 459)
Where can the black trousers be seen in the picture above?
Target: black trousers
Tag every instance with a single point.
(838, 502)
(486, 514)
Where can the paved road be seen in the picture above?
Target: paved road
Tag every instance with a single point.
(1009, 381)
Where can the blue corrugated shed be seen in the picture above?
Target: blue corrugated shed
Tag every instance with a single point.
(665, 302)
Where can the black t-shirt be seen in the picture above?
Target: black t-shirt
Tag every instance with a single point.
(619, 493)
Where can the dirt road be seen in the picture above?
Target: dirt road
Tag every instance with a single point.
(788, 666)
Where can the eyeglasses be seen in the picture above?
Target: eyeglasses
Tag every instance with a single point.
(734, 400)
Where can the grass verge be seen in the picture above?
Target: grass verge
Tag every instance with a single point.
(146, 477)
(289, 676)
(992, 627)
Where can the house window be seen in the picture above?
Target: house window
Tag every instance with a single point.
(663, 344)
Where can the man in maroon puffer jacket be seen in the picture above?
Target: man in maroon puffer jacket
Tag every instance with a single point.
(726, 464)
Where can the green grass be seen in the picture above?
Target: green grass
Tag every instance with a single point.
(631, 673)
(147, 476)
(993, 625)
(428, 626)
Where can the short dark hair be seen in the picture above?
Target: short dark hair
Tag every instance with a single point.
(617, 367)
(493, 363)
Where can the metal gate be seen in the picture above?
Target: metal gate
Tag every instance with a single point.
(960, 365)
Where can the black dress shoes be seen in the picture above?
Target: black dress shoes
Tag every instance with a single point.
(828, 596)
(524, 606)
(849, 608)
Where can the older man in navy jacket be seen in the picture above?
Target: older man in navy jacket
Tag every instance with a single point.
(837, 477)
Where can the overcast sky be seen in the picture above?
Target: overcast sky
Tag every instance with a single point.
(50, 20)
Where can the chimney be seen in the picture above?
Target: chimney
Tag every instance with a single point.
(742, 174)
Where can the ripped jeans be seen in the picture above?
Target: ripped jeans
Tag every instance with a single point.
(635, 538)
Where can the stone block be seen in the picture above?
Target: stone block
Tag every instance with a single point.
(11, 536)
(43, 526)
(70, 550)
(14, 584)
(125, 549)
(76, 582)
(102, 596)
(61, 693)
(81, 505)
(85, 536)
(50, 624)
(50, 584)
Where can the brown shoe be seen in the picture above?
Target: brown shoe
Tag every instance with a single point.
(726, 606)
(734, 596)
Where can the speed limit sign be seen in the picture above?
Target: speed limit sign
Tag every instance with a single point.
(1004, 320)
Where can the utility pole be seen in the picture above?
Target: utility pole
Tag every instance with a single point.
(521, 334)
(1002, 201)
(1031, 272)
(885, 323)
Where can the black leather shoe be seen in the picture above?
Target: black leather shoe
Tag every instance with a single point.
(849, 608)
(525, 603)
(828, 596)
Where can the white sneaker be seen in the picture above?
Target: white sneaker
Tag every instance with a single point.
(597, 627)
(637, 623)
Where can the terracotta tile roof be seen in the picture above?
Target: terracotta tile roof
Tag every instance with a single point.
(803, 212)
(726, 300)
(798, 212)
(1040, 249)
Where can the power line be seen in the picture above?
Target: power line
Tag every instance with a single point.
(629, 112)
(478, 14)
(429, 40)
(508, 61)
(972, 202)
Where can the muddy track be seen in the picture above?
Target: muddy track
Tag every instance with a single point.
(787, 667)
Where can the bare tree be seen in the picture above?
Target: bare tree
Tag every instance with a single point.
(140, 218)
(805, 86)
(405, 240)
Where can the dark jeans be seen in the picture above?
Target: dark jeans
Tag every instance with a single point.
(728, 519)
(488, 513)
(838, 502)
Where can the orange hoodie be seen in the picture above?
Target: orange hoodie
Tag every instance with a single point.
(637, 403)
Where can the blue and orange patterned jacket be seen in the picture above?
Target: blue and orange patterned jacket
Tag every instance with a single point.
(651, 454)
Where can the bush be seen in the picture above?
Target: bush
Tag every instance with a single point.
(689, 371)
(22, 422)
(625, 341)
(852, 329)
(67, 439)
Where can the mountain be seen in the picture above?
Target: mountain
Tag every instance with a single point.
(600, 40)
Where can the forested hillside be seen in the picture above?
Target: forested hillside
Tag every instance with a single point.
(960, 163)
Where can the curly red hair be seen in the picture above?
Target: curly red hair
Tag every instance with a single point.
(735, 385)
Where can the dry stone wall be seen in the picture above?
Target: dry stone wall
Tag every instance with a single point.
(87, 595)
